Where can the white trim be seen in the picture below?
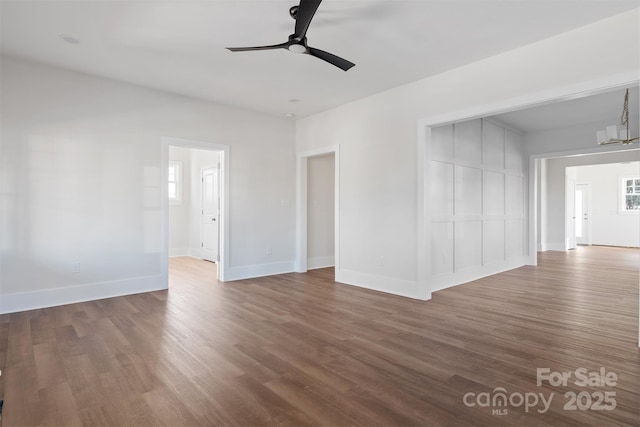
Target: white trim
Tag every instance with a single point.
(174, 252)
(259, 270)
(300, 265)
(556, 246)
(424, 217)
(320, 262)
(225, 161)
(11, 303)
(622, 194)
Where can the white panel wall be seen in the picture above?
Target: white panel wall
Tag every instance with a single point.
(479, 221)
(321, 211)
(467, 191)
(81, 168)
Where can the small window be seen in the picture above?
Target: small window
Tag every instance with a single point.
(175, 182)
(631, 194)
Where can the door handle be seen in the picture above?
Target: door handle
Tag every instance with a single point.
(213, 219)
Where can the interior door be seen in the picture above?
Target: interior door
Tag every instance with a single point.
(210, 214)
(570, 221)
(582, 214)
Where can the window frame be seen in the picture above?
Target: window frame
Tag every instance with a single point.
(622, 185)
(178, 181)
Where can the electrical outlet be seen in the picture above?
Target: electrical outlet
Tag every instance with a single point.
(269, 251)
(75, 267)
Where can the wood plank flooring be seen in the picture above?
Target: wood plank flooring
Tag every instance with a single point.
(299, 349)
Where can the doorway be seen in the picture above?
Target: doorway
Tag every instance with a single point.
(302, 209)
(321, 211)
(196, 224)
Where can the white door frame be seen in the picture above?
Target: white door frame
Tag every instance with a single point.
(301, 206)
(166, 141)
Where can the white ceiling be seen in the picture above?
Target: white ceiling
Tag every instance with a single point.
(178, 46)
(604, 107)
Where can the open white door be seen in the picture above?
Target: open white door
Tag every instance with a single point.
(570, 221)
(582, 214)
(210, 214)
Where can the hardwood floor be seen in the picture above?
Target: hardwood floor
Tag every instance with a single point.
(296, 350)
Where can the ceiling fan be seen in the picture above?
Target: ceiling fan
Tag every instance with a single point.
(303, 14)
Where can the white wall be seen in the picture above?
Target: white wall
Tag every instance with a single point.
(608, 225)
(556, 194)
(379, 133)
(541, 206)
(81, 167)
(179, 214)
(320, 211)
(477, 192)
(199, 159)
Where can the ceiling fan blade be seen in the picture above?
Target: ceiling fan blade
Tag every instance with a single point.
(330, 58)
(306, 10)
(246, 49)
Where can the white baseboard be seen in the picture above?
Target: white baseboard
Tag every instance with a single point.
(195, 252)
(470, 274)
(179, 252)
(258, 270)
(390, 285)
(320, 262)
(556, 246)
(11, 303)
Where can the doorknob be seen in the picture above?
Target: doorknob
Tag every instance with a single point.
(213, 219)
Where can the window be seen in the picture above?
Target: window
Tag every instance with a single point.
(631, 194)
(175, 182)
